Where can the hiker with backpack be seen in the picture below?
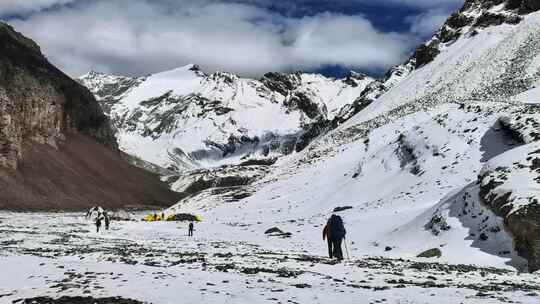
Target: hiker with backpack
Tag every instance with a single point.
(98, 223)
(334, 232)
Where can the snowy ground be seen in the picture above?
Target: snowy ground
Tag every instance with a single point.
(59, 255)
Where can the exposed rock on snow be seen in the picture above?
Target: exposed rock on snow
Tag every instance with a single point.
(510, 185)
(277, 232)
(431, 253)
(225, 177)
(77, 300)
(339, 209)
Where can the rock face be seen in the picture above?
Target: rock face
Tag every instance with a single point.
(39, 102)
(49, 126)
(510, 183)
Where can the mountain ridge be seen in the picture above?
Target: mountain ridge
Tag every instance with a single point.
(302, 100)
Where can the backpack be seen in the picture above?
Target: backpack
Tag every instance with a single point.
(336, 227)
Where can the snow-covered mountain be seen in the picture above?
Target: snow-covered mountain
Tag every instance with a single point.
(186, 119)
(441, 153)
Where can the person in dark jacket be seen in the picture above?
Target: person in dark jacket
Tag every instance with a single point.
(190, 229)
(334, 232)
(98, 223)
(107, 220)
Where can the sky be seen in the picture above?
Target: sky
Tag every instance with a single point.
(246, 37)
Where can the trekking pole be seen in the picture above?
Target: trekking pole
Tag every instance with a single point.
(347, 249)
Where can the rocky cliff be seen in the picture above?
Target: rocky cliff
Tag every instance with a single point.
(39, 102)
(43, 109)
(510, 184)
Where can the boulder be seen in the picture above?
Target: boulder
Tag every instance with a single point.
(430, 253)
(338, 209)
(273, 230)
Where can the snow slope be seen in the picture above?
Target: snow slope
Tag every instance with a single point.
(410, 160)
(408, 163)
(499, 63)
(396, 178)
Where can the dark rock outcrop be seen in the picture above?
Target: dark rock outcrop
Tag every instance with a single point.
(39, 102)
(342, 208)
(426, 53)
(312, 131)
(523, 6)
(352, 77)
(78, 300)
(504, 190)
(281, 83)
(491, 19)
(303, 103)
(431, 253)
(57, 148)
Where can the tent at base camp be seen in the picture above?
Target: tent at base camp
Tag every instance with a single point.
(181, 217)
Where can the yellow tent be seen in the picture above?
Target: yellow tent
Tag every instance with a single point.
(152, 218)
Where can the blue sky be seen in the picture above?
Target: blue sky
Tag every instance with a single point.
(247, 37)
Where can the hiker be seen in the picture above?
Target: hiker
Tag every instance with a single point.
(190, 229)
(98, 223)
(163, 216)
(334, 232)
(107, 220)
(91, 211)
(155, 216)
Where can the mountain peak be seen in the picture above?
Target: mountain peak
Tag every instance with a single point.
(92, 74)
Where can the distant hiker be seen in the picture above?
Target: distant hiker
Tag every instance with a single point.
(190, 229)
(91, 211)
(334, 232)
(163, 216)
(107, 220)
(98, 223)
(155, 217)
(94, 210)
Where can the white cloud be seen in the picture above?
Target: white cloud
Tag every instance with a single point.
(426, 23)
(146, 36)
(9, 7)
(344, 40)
(139, 37)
